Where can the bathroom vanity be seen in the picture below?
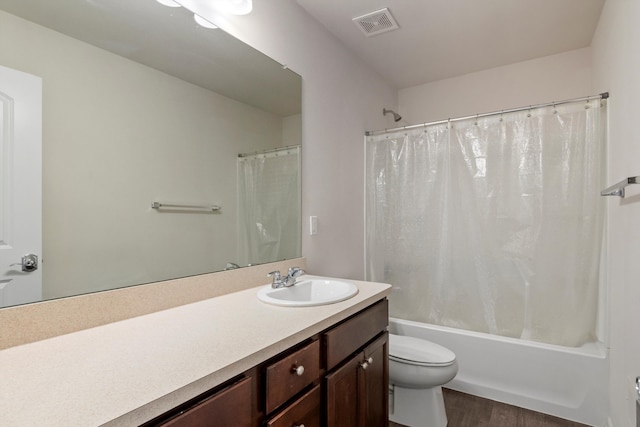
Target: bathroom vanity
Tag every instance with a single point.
(246, 362)
(335, 378)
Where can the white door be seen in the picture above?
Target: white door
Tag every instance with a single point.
(20, 187)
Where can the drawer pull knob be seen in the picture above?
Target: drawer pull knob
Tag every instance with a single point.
(298, 371)
(298, 425)
(366, 363)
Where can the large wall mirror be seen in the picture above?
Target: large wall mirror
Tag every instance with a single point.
(140, 104)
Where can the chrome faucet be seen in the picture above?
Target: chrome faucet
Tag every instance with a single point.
(288, 280)
(231, 266)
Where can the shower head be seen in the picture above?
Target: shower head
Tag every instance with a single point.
(396, 116)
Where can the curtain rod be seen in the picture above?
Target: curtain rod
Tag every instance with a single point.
(272, 150)
(603, 95)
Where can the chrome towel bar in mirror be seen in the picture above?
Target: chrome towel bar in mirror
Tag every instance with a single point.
(159, 205)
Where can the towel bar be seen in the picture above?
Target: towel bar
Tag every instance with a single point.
(212, 208)
(618, 189)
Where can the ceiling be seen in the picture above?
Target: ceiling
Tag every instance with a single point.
(439, 39)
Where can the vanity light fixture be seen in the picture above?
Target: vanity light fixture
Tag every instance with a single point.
(233, 7)
(169, 3)
(236, 7)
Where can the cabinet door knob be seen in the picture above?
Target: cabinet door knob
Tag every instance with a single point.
(299, 370)
(298, 425)
(366, 363)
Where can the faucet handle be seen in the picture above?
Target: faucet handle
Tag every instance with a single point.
(277, 279)
(275, 275)
(295, 271)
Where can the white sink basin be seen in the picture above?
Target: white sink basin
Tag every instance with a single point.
(309, 293)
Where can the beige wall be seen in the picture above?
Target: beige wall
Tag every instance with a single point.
(341, 99)
(616, 63)
(117, 136)
(551, 78)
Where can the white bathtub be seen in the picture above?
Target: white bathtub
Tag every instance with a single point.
(566, 382)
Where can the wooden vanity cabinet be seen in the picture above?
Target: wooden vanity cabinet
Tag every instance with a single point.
(338, 377)
(357, 390)
(353, 388)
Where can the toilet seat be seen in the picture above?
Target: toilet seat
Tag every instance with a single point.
(419, 352)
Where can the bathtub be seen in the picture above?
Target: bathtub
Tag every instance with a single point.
(570, 383)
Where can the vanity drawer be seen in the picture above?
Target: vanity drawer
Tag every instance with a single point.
(352, 334)
(303, 412)
(287, 376)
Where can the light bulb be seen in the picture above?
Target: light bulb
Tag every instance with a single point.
(169, 3)
(237, 7)
(203, 22)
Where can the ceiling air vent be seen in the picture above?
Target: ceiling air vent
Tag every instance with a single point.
(377, 22)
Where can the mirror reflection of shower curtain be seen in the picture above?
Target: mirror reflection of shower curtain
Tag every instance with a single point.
(269, 206)
(493, 224)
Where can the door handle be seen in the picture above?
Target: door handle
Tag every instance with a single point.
(29, 263)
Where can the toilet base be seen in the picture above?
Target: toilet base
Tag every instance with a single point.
(417, 407)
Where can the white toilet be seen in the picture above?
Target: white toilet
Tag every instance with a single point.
(417, 370)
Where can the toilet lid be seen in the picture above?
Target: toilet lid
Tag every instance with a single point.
(417, 351)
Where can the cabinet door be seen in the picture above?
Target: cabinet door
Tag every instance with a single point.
(343, 403)
(375, 382)
(229, 407)
(358, 391)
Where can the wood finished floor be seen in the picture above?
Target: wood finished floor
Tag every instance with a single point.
(464, 410)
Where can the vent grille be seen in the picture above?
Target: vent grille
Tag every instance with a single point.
(377, 22)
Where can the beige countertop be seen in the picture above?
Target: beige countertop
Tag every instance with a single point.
(128, 372)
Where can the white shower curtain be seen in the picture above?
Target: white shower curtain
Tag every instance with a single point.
(492, 224)
(269, 206)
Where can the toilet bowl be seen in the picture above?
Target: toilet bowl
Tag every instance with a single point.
(417, 370)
